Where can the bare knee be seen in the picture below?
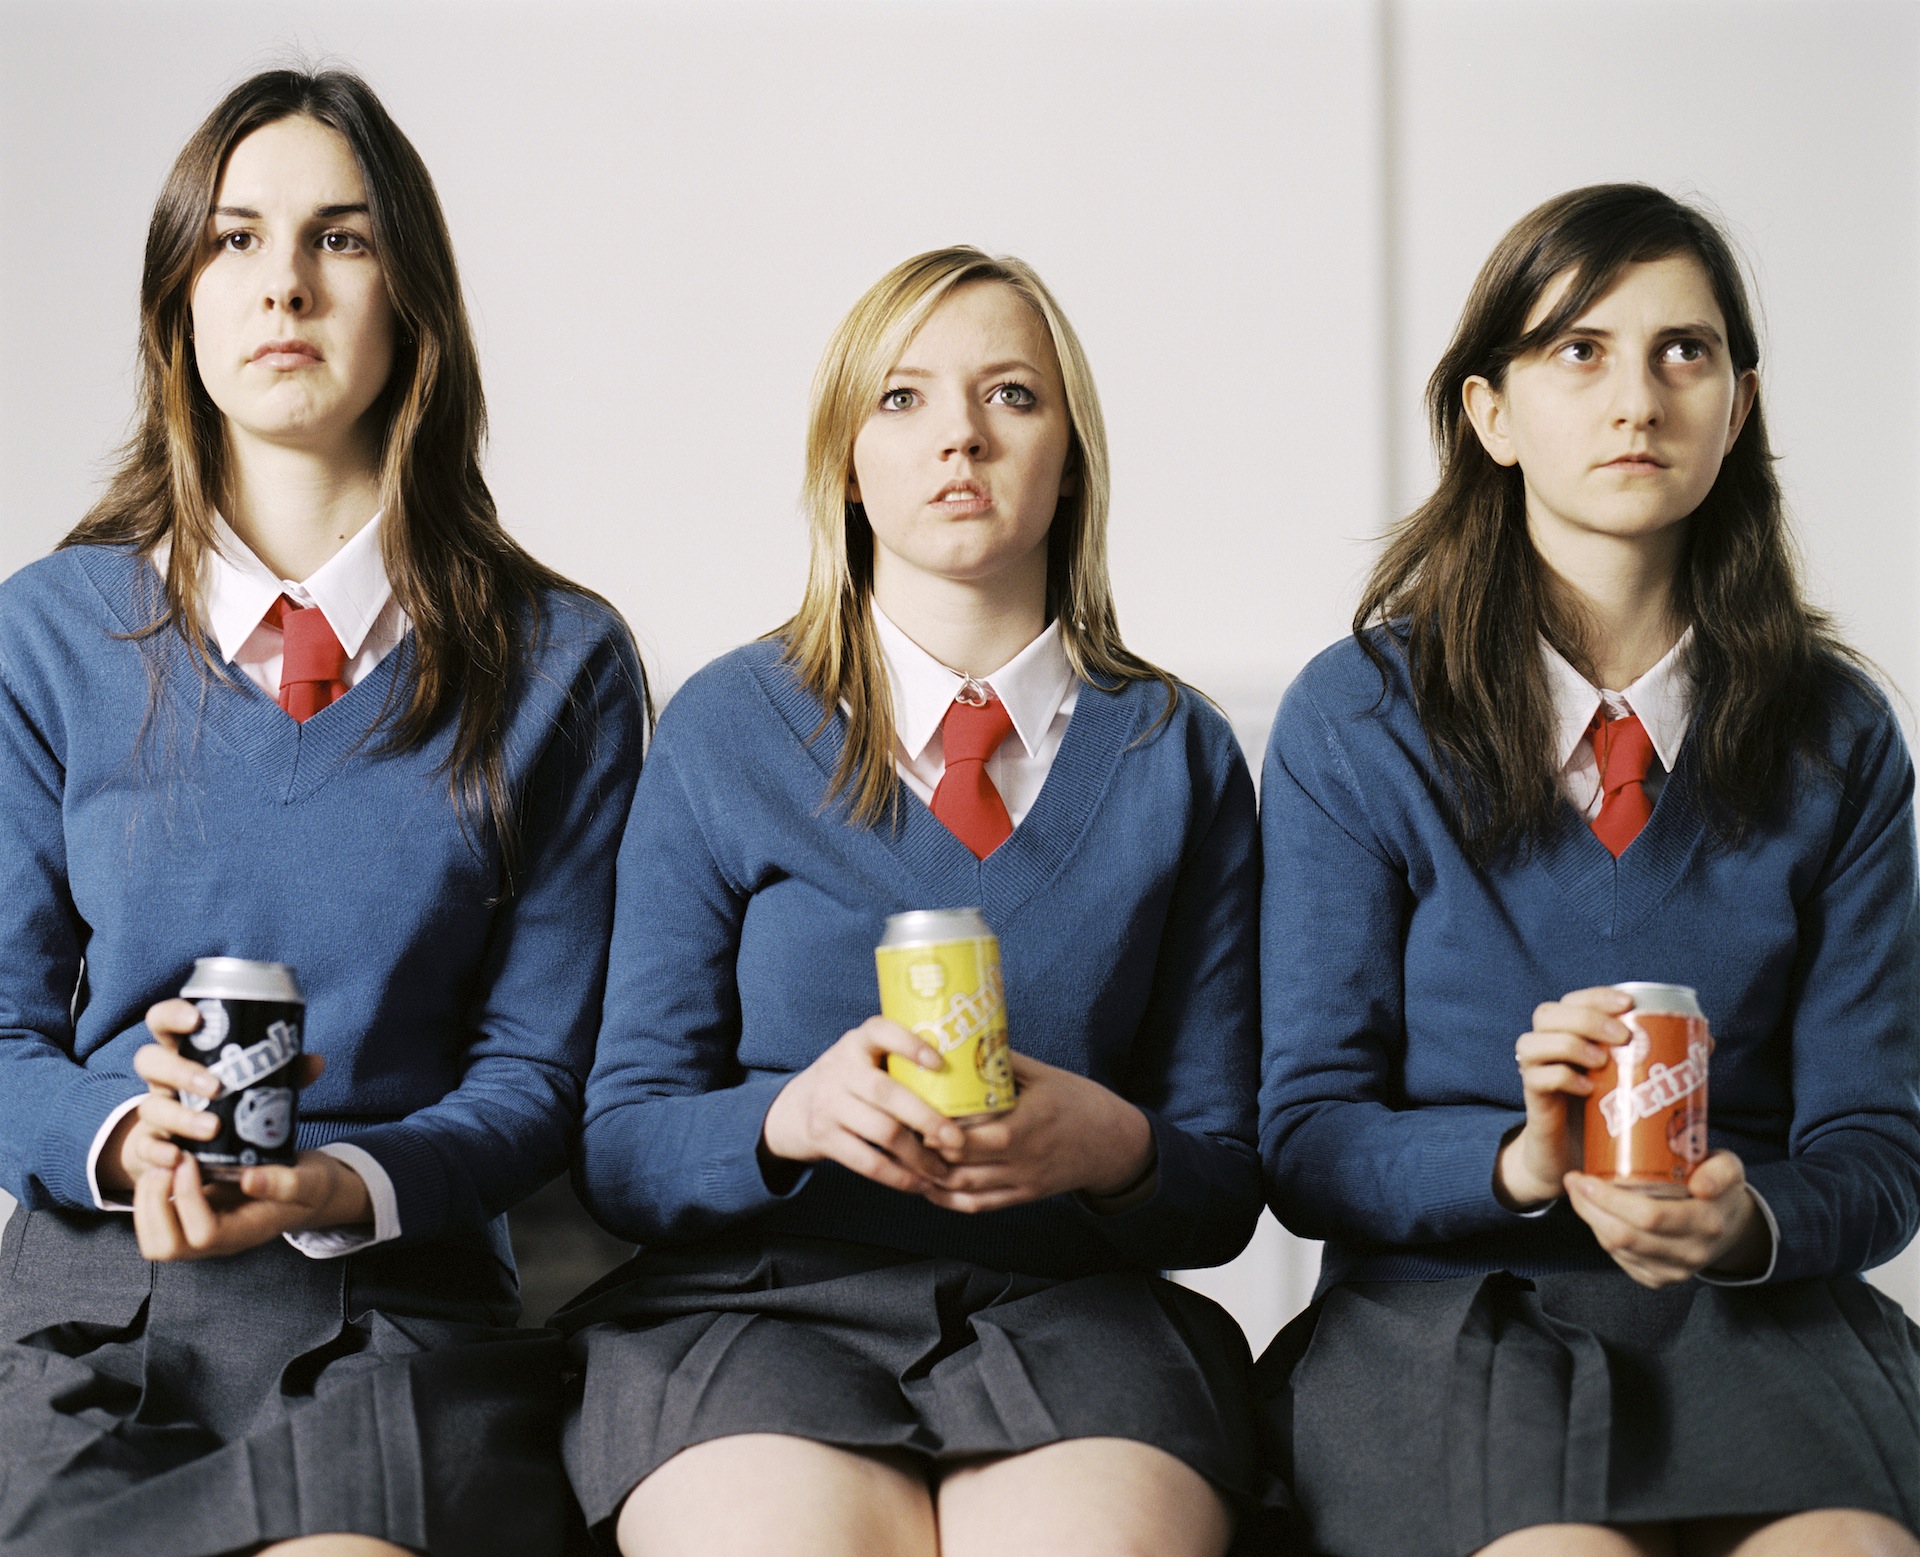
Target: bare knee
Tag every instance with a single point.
(1086, 1497)
(770, 1495)
(334, 1546)
(1822, 1532)
(1583, 1541)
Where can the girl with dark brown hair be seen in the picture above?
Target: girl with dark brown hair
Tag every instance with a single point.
(290, 694)
(1588, 731)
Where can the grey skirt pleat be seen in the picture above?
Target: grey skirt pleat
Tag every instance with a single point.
(875, 1349)
(1429, 1418)
(192, 1409)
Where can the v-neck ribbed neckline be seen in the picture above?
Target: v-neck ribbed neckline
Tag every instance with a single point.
(1617, 896)
(1102, 725)
(290, 759)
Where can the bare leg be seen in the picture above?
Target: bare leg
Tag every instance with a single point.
(1086, 1497)
(334, 1546)
(1584, 1541)
(770, 1495)
(1823, 1532)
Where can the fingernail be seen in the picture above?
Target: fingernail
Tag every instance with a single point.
(207, 1086)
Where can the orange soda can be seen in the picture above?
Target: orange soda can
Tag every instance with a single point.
(1646, 1120)
(940, 979)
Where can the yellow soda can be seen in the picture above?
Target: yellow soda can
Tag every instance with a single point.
(940, 979)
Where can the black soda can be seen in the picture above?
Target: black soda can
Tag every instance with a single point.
(249, 1036)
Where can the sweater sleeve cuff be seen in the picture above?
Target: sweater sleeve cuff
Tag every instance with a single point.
(732, 1182)
(1773, 1250)
(329, 1243)
(1187, 1213)
(100, 1137)
(1455, 1167)
(414, 1174)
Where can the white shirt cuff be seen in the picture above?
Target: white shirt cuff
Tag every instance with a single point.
(1773, 1250)
(329, 1243)
(100, 1145)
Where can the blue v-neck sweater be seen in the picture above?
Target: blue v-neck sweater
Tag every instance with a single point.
(150, 815)
(748, 911)
(1398, 975)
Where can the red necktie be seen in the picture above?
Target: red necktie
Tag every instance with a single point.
(1623, 751)
(965, 798)
(313, 666)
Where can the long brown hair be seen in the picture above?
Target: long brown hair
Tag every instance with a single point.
(1463, 593)
(831, 640)
(471, 593)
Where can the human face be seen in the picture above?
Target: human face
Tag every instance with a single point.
(963, 461)
(292, 326)
(1620, 423)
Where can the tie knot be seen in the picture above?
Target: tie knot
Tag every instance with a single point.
(972, 732)
(310, 650)
(1623, 750)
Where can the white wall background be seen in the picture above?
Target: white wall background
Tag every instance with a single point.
(1263, 218)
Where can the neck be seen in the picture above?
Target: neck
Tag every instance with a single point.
(294, 507)
(970, 626)
(1623, 590)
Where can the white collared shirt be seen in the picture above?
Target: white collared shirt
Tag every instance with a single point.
(1037, 686)
(1663, 700)
(353, 593)
(350, 588)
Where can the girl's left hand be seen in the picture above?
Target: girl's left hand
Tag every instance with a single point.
(178, 1217)
(1066, 1133)
(1660, 1242)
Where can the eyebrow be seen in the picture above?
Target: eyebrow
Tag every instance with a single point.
(326, 212)
(987, 372)
(1699, 327)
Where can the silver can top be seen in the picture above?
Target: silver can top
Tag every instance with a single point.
(928, 926)
(237, 978)
(1663, 999)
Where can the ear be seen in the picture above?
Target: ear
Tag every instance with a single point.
(1745, 391)
(1488, 412)
(1070, 477)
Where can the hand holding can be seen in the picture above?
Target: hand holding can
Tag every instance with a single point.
(940, 979)
(1646, 1117)
(251, 1016)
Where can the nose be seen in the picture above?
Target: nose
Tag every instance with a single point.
(965, 433)
(1637, 401)
(287, 284)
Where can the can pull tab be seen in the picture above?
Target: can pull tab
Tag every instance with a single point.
(972, 692)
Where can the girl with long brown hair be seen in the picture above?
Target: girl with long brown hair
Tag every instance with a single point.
(289, 694)
(855, 1325)
(1589, 732)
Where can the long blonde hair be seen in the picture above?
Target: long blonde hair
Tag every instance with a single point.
(830, 641)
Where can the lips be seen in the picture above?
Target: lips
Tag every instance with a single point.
(1641, 461)
(286, 354)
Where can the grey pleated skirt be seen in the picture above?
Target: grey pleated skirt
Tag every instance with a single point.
(876, 1349)
(1428, 1418)
(185, 1410)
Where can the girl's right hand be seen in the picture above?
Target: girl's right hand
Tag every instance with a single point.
(844, 1107)
(1569, 1038)
(143, 1140)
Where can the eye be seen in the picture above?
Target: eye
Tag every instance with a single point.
(898, 399)
(1581, 352)
(342, 241)
(1016, 395)
(1685, 349)
(238, 241)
